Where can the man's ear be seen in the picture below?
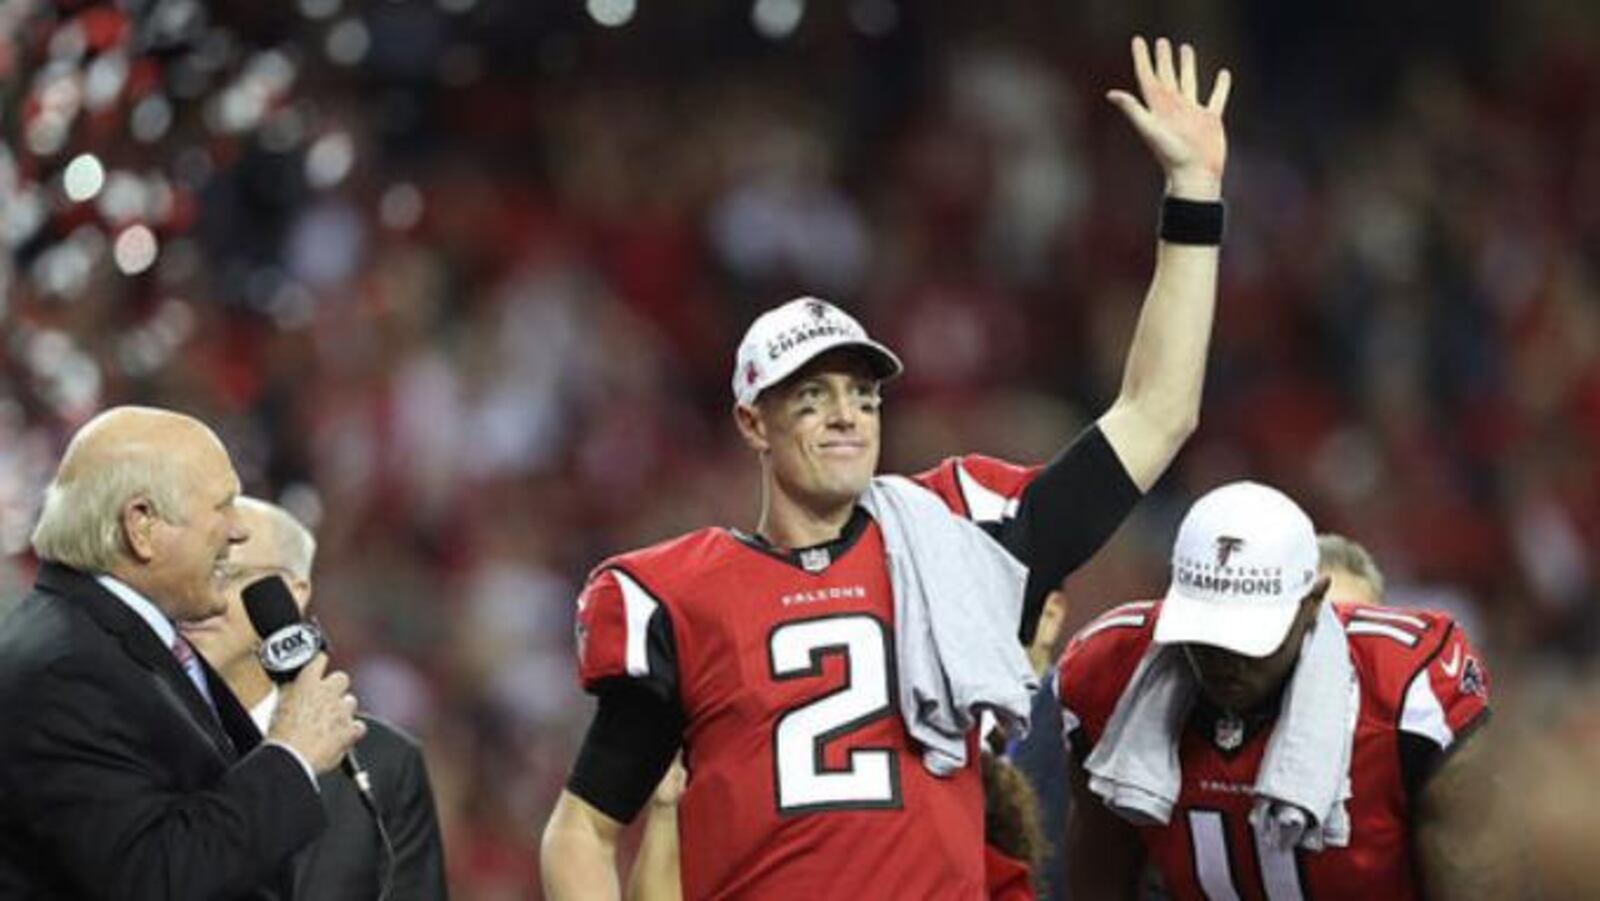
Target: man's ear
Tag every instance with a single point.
(301, 589)
(137, 520)
(752, 427)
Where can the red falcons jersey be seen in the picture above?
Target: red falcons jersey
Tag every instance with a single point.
(1422, 687)
(803, 781)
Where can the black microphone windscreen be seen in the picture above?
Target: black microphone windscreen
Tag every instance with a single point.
(270, 605)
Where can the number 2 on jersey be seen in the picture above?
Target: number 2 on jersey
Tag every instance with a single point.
(871, 776)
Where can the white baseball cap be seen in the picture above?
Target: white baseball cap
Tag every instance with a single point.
(785, 338)
(1245, 557)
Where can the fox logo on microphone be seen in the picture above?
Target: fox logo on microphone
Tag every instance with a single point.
(285, 652)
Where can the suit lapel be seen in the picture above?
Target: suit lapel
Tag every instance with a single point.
(142, 644)
(235, 720)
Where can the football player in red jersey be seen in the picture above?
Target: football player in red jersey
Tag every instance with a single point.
(766, 656)
(1256, 742)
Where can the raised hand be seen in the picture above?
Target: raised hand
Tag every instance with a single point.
(1186, 136)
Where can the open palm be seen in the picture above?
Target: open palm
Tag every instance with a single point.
(1186, 135)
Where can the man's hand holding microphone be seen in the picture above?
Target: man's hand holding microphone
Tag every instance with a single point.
(316, 715)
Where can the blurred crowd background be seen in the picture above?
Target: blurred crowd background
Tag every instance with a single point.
(459, 282)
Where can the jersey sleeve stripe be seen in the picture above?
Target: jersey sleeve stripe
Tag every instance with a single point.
(983, 503)
(1414, 622)
(640, 606)
(1406, 638)
(1118, 621)
(1423, 714)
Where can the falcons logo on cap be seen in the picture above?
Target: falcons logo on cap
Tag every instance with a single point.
(1227, 546)
(817, 309)
(751, 373)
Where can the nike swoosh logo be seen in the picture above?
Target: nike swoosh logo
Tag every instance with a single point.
(1454, 665)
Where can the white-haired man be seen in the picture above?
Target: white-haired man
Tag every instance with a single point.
(1354, 577)
(821, 673)
(128, 770)
(350, 860)
(1256, 741)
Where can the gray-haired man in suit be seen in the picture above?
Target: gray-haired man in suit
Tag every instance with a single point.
(128, 770)
(351, 860)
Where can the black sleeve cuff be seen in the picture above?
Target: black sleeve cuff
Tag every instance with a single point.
(1068, 512)
(629, 747)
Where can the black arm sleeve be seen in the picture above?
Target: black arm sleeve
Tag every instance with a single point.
(1066, 514)
(629, 747)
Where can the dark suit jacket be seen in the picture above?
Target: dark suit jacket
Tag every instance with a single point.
(349, 861)
(116, 779)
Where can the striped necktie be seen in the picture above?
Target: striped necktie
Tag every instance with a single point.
(190, 662)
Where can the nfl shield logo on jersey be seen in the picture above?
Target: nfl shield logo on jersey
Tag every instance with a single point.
(815, 560)
(1229, 734)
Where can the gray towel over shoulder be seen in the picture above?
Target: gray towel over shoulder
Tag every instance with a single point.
(958, 596)
(1305, 773)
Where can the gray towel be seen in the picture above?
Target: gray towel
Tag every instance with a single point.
(1301, 789)
(957, 601)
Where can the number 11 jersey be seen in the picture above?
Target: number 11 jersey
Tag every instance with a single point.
(1423, 689)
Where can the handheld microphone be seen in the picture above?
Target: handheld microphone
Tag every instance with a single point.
(288, 643)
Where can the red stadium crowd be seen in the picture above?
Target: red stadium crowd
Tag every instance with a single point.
(494, 348)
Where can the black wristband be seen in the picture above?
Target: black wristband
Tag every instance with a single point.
(1192, 221)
